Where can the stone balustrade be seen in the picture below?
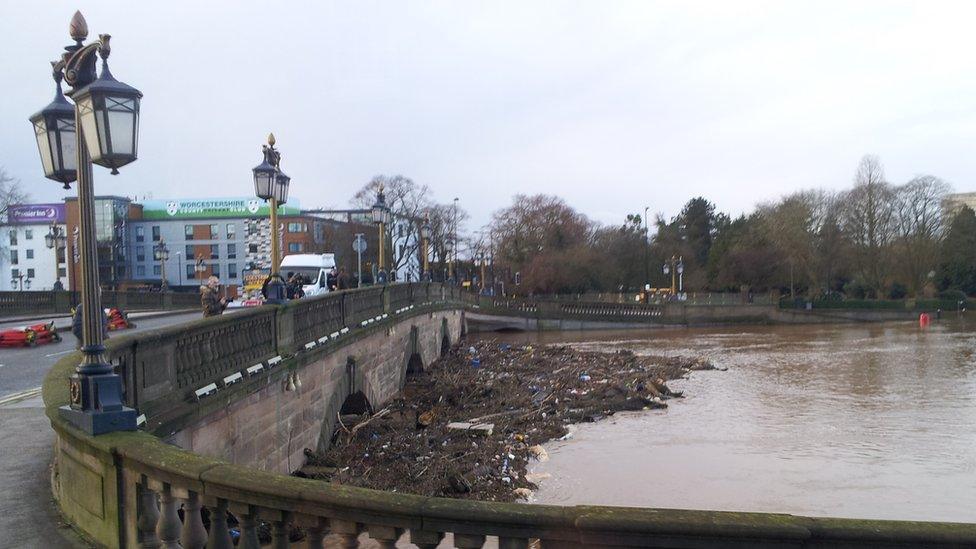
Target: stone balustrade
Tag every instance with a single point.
(131, 489)
(45, 302)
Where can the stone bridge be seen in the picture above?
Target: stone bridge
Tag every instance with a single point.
(228, 405)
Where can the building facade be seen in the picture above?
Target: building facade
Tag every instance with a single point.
(26, 263)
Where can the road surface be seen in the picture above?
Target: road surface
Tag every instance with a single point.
(23, 368)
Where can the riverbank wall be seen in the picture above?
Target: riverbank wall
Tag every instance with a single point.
(544, 318)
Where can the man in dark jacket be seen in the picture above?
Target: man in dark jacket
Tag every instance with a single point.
(210, 299)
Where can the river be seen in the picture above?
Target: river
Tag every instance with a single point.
(860, 421)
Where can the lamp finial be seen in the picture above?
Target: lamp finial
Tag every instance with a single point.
(78, 28)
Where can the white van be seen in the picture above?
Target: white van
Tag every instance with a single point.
(313, 267)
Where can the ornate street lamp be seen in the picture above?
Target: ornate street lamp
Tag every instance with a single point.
(381, 216)
(161, 253)
(681, 274)
(424, 243)
(106, 132)
(673, 267)
(56, 240)
(271, 184)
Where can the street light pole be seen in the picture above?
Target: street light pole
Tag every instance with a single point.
(381, 216)
(424, 241)
(452, 265)
(271, 184)
(162, 255)
(103, 130)
(647, 265)
(56, 240)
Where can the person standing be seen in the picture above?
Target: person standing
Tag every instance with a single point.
(342, 282)
(210, 300)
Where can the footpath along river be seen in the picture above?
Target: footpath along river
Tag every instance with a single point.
(860, 421)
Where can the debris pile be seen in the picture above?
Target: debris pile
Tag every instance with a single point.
(468, 425)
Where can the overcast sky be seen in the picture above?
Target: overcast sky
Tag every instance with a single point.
(612, 105)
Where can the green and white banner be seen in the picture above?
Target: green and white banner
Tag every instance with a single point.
(210, 208)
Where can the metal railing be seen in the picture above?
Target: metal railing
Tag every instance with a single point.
(14, 304)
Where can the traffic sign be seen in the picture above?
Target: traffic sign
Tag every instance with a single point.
(359, 244)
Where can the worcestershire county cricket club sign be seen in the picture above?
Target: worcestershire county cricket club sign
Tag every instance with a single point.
(210, 208)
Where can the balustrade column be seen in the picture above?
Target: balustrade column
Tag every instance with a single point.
(468, 541)
(348, 533)
(385, 536)
(314, 536)
(425, 539)
(194, 535)
(169, 526)
(148, 517)
(219, 534)
(249, 531)
(279, 534)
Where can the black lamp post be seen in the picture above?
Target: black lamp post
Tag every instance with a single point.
(56, 240)
(425, 231)
(381, 217)
(271, 184)
(102, 128)
(161, 253)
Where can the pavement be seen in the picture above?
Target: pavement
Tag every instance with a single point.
(28, 515)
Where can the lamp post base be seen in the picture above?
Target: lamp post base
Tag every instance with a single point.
(95, 406)
(275, 291)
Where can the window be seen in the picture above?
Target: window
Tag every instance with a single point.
(231, 231)
(232, 251)
(30, 254)
(30, 273)
(140, 253)
(188, 232)
(214, 251)
(140, 234)
(295, 247)
(252, 227)
(252, 248)
(157, 270)
(232, 270)
(14, 259)
(13, 238)
(215, 269)
(190, 273)
(297, 227)
(189, 253)
(140, 270)
(62, 272)
(14, 273)
(28, 234)
(214, 232)
(155, 233)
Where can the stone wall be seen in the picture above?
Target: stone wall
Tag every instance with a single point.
(270, 428)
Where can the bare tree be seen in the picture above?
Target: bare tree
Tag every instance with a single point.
(919, 227)
(869, 221)
(407, 201)
(11, 192)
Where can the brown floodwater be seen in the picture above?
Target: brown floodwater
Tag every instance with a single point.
(861, 421)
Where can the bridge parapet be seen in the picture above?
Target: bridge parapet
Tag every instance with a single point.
(164, 371)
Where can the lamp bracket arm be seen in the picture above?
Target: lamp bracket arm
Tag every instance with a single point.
(79, 65)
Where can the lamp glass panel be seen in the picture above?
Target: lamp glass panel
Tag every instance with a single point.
(44, 146)
(122, 124)
(88, 125)
(69, 143)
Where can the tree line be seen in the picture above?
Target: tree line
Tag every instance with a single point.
(876, 239)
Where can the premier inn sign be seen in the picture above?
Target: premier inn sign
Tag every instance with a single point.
(210, 208)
